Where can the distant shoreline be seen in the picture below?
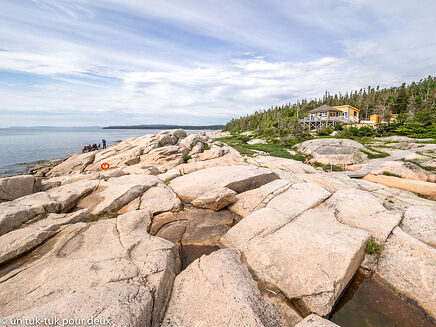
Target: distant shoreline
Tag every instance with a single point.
(205, 127)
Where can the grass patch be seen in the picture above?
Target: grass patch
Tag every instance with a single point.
(428, 168)
(273, 149)
(386, 173)
(375, 153)
(327, 167)
(372, 247)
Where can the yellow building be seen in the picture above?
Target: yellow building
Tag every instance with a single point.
(375, 119)
(346, 112)
(349, 112)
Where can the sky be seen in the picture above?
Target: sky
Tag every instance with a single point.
(111, 62)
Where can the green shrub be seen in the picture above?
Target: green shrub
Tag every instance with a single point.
(372, 247)
(375, 153)
(386, 173)
(325, 132)
(186, 158)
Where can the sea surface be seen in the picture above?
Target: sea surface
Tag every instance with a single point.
(24, 148)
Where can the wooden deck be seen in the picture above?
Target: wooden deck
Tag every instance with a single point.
(314, 124)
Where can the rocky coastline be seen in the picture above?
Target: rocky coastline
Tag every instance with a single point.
(183, 230)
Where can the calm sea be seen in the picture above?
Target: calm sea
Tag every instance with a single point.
(23, 148)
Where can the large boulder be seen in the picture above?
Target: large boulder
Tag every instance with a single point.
(310, 259)
(191, 140)
(363, 210)
(409, 267)
(74, 164)
(115, 193)
(68, 195)
(166, 157)
(420, 222)
(15, 187)
(20, 241)
(237, 178)
(110, 270)
(12, 216)
(333, 151)
(160, 198)
(217, 290)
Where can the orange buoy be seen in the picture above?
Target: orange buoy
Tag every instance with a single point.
(104, 166)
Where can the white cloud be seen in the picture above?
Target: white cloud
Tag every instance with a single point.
(208, 59)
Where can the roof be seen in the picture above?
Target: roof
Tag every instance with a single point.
(346, 106)
(325, 107)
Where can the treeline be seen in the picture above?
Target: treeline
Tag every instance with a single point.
(187, 127)
(415, 104)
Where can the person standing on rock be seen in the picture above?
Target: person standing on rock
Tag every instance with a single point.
(104, 143)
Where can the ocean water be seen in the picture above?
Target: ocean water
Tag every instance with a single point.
(23, 148)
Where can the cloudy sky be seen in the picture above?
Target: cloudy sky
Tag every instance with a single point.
(106, 62)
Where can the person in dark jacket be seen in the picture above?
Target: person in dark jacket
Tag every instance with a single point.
(104, 143)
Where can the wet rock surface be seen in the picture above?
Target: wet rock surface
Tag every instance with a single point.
(409, 267)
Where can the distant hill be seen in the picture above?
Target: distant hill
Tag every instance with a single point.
(160, 126)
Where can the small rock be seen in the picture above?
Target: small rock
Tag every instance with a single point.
(216, 199)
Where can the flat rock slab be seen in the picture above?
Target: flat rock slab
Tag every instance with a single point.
(298, 198)
(111, 269)
(315, 321)
(310, 259)
(363, 210)
(289, 165)
(20, 241)
(409, 267)
(15, 187)
(420, 187)
(406, 170)
(117, 192)
(217, 290)
(398, 198)
(59, 199)
(331, 181)
(160, 198)
(237, 178)
(229, 159)
(420, 222)
(249, 201)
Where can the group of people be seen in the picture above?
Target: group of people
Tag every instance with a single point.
(94, 147)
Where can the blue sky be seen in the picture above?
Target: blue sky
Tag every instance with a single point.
(110, 62)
